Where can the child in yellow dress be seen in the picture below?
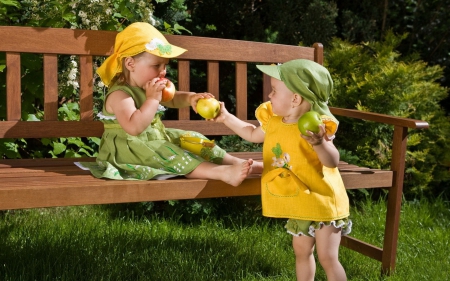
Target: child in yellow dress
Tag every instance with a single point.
(300, 180)
(135, 144)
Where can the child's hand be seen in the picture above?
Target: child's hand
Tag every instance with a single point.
(316, 139)
(153, 89)
(222, 114)
(193, 99)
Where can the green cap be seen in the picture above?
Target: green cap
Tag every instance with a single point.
(307, 78)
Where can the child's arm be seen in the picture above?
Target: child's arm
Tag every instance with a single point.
(243, 129)
(324, 147)
(133, 120)
(183, 99)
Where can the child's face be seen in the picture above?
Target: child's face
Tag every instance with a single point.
(147, 67)
(280, 97)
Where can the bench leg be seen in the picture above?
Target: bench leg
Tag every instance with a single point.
(394, 200)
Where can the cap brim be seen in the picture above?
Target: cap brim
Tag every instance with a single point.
(176, 51)
(271, 70)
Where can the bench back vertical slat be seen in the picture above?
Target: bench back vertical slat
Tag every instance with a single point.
(241, 90)
(213, 78)
(184, 84)
(13, 87)
(50, 87)
(86, 88)
(267, 88)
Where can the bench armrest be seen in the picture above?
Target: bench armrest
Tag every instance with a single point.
(381, 118)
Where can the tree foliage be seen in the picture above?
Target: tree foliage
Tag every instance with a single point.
(374, 77)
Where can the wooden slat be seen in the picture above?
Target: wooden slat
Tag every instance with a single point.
(213, 78)
(42, 40)
(394, 199)
(381, 118)
(203, 48)
(68, 185)
(50, 87)
(51, 129)
(184, 85)
(362, 247)
(13, 87)
(86, 88)
(74, 190)
(318, 53)
(241, 90)
(20, 169)
(267, 87)
(101, 43)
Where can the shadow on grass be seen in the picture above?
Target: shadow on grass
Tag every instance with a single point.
(124, 254)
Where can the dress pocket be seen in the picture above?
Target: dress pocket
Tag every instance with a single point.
(281, 182)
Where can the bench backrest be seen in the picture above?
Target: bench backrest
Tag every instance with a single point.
(87, 44)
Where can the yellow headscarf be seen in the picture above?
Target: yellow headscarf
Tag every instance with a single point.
(136, 38)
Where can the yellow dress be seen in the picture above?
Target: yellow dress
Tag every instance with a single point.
(294, 182)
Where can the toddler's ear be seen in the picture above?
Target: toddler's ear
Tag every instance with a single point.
(129, 63)
(297, 100)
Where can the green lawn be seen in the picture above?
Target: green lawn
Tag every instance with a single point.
(99, 243)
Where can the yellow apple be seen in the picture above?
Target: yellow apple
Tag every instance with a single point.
(169, 91)
(208, 108)
(309, 121)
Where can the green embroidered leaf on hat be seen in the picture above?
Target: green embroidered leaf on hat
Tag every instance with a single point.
(164, 49)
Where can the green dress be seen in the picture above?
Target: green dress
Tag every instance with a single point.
(153, 154)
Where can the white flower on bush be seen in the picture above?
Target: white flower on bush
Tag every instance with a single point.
(82, 14)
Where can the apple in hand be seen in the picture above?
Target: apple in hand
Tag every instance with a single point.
(169, 90)
(208, 108)
(309, 121)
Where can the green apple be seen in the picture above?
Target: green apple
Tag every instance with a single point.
(309, 121)
(208, 108)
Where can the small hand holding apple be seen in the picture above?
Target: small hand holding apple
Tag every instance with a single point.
(153, 89)
(208, 108)
(312, 128)
(195, 97)
(223, 113)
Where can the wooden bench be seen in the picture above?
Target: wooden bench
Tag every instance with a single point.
(34, 183)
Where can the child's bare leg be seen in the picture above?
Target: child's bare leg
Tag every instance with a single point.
(232, 174)
(256, 168)
(305, 265)
(328, 239)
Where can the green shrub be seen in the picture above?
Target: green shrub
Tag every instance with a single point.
(374, 77)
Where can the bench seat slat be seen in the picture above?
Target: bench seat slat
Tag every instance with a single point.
(61, 187)
(33, 192)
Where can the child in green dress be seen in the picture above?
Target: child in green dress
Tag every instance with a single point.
(300, 180)
(135, 144)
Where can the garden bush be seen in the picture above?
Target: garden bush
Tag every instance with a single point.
(374, 77)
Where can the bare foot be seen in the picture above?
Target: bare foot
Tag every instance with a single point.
(256, 168)
(236, 173)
